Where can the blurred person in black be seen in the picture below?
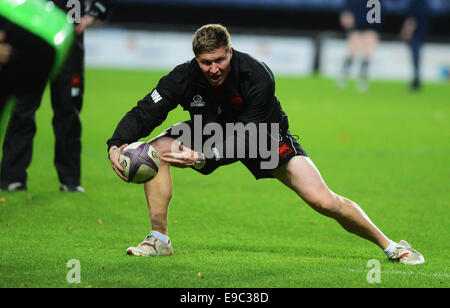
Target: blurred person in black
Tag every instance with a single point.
(362, 38)
(66, 97)
(414, 32)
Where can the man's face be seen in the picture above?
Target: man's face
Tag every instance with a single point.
(215, 65)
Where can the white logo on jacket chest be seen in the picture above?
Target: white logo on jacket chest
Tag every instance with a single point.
(197, 101)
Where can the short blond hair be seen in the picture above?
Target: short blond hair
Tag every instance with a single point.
(210, 37)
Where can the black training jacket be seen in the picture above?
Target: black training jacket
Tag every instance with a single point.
(248, 95)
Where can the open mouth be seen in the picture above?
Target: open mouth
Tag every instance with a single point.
(215, 78)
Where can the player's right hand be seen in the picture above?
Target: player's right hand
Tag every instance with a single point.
(114, 159)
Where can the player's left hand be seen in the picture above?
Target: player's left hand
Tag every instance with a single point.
(181, 157)
(86, 21)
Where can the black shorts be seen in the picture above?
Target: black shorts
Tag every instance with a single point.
(288, 147)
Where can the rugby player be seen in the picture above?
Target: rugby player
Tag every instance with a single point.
(362, 38)
(223, 86)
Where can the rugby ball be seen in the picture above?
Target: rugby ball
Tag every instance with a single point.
(140, 162)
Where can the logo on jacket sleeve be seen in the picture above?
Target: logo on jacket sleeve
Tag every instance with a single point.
(197, 101)
(156, 97)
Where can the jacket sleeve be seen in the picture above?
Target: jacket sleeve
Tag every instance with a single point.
(149, 113)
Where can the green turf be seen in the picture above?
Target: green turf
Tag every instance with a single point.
(387, 149)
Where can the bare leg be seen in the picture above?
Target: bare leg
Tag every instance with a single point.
(369, 40)
(354, 44)
(158, 191)
(302, 176)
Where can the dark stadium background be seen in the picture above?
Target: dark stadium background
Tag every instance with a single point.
(305, 17)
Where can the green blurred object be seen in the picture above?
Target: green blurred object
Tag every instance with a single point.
(4, 118)
(47, 22)
(44, 20)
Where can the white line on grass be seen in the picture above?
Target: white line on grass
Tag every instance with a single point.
(402, 273)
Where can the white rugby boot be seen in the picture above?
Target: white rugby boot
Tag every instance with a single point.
(151, 246)
(405, 254)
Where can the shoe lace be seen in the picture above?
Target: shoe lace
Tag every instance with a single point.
(148, 237)
(400, 252)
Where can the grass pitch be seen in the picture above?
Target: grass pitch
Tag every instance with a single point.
(387, 149)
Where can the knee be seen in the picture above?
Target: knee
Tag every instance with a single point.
(160, 145)
(326, 203)
(165, 144)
